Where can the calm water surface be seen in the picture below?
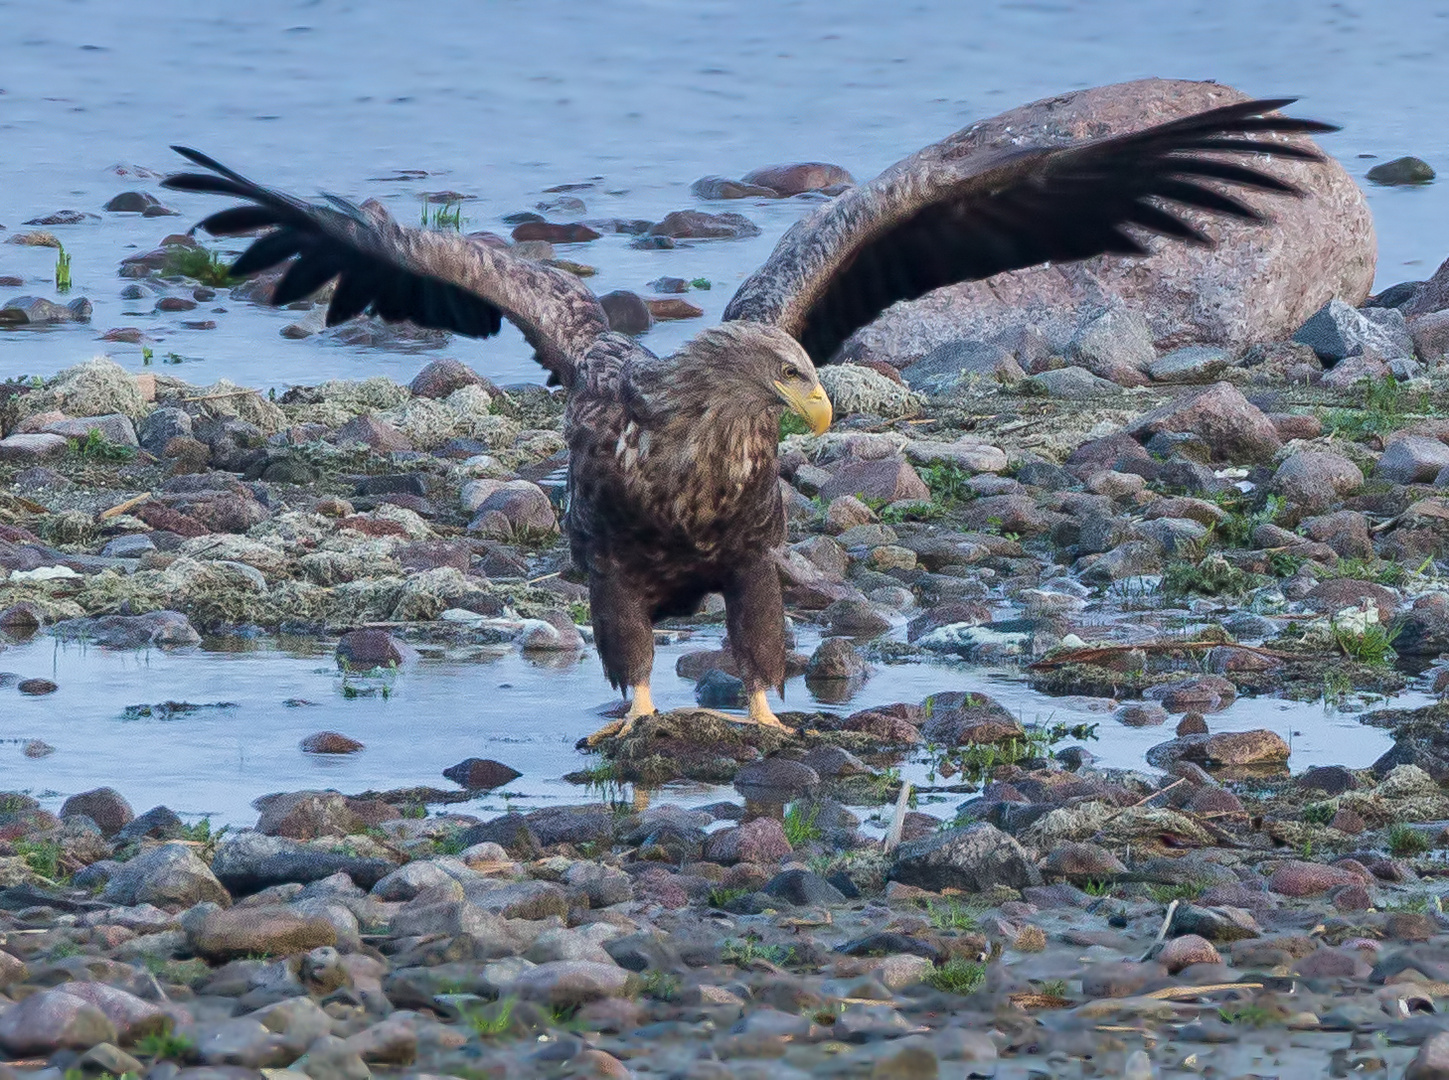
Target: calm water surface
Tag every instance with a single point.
(525, 713)
(502, 100)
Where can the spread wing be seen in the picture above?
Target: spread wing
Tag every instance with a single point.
(430, 278)
(935, 219)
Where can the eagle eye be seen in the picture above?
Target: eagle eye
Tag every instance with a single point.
(790, 371)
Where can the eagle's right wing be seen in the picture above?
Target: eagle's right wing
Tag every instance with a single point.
(433, 279)
(940, 217)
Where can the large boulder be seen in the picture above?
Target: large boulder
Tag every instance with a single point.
(1259, 283)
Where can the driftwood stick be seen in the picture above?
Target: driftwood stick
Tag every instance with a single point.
(1090, 653)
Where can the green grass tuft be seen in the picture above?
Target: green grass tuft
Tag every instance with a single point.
(96, 447)
(1375, 645)
(1405, 841)
(200, 264)
(957, 977)
(1386, 407)
(493, 1019)
(166, 1046)
(951, 914)
(63, 281)
(800, 827)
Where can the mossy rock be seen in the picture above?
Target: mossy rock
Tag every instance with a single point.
(690, 744)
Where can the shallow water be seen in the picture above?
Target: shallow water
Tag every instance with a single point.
(525, 713)
(502, 100)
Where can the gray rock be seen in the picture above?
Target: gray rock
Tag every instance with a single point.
(1316, 480)
(247, 862)
(626, 311)
(515, 508)
(835, 658)
(1191, 363)
(161, 426)
(38, 447)
(1263, 281)
(720, 187)
(719, 690)
(1074, 384)
(53, 1020)
(1234, 429)
(170, 876)
(965, 453)
(105, 806)
(1413, 459)
(572, 982)
(800, 177)
(946, 365)
(164, 629)
(760, 841)
(603, 885)
(481, 774)
(559, 943)
(975, 858)
(158, 823)
(115, 429)
(408, 880)
(37, 311)
(583, 824)
(332, 1058)
(698, 225)
(1217, 924)
(242, 1041)
(439, 378)
(128, 547)
(1337, 331)
(803, 887)
(1117, 345)
(776, 779)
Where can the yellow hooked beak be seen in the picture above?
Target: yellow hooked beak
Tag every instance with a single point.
(813, 408)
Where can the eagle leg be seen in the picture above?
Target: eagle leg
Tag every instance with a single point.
(624, 637)
(755, 618)
(762, 714)
(642, 705)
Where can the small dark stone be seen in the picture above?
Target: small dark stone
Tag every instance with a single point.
(37, 687)
(835, 658)
(1404, 170)
(845, 884)
(803, 887)
(392, 484)
(1192, 724)
(1329, 779)
(131, 202)
(104, 806)
(363, 650)
(510, 831)
(158, 823)
(719, 690)
(481, 774)
(627, 312)
(779, 777)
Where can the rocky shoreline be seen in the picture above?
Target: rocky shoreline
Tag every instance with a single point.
(1166, 549)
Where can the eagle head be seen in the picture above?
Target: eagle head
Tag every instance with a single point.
(753, 369)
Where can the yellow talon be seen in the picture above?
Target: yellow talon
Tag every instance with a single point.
(641, 705)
